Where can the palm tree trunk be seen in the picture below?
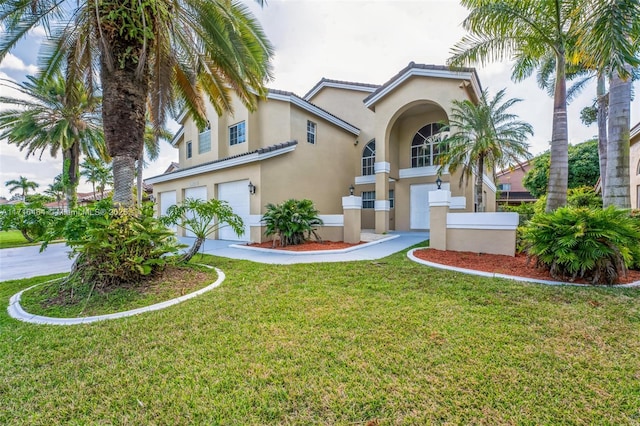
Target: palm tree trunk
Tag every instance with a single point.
(559, 168)
(602, 129)
(618, 178)
(123, 113)
(74, 175)
(479, 182)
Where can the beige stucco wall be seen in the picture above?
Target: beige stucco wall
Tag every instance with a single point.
(634, 167)
(492, 241)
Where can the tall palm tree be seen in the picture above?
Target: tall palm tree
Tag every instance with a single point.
(152, 151)
(527, 31)
(147, 54)
(56, 190)
(609, 39)
(55, 116)
(97, 173)
(483, 136)
(23, 184)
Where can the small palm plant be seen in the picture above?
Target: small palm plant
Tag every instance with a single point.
(293, 222)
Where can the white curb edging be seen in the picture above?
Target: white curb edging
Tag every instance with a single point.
(15, 309)
(295, 253)
(412, 257)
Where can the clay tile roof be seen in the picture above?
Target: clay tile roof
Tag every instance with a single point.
(341, 82)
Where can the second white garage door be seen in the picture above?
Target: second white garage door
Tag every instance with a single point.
(237, 195)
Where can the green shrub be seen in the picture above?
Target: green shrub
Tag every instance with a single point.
(525, 211)
(595, 244)
(117, 246)
(33, 220)
(294, 221)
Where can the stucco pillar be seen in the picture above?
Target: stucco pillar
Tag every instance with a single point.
(382, 205)
(351, 207)
(439, 202)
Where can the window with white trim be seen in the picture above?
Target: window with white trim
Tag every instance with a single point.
(311, 132)
(368, 199)
(392, 198)
(189, 149)
(369, 158)
(237, 133)
(425, 146)
(204, 139)
(504, 187)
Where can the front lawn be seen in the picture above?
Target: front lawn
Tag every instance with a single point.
(341, 343)
(13, 238)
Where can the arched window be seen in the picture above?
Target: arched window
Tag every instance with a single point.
(425, 146)
(369, 158)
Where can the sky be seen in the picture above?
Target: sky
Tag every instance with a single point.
(365, 41)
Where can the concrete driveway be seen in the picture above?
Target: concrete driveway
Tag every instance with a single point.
(26, 262)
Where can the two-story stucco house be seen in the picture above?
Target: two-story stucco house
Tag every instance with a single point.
(634, 166)
(379, 139)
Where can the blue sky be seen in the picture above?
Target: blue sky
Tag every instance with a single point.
(355, 40)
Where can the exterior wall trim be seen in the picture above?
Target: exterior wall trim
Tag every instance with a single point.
(309, 107)
(496, 221)
(382, 167)
(487, 181)
(177, 136)
(337, 85)
(382, 205)
(364, 180)
(245, 159)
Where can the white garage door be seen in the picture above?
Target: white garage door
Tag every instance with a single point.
(419, 218)
(237, 195)
(167, 199)
(198, 193)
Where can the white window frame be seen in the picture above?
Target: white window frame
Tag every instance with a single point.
(189, 149)
(368, 199)
(368, 161)
(312, 131)
(239, 136)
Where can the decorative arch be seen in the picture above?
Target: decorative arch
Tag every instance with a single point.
(369, 158)
(425, 146)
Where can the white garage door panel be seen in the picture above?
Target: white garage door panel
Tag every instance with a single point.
(237, 195)
(167, 199)
(197, 193)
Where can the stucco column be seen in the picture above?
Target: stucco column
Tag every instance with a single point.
(382, 205)
(352, 207)
(439, 202)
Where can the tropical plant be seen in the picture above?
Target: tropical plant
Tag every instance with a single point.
(32, 220)
(583, 169)
(202, 218)
(598, 245)
(152, 151)
(55, 116)
(481, 137)
(56, 190)
(116, 245)
(147, 55)
(97, 173)
(293, 222)
(528, 31)
(609, 41)
(23, 184)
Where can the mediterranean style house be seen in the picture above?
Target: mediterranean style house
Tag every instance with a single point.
(634, 166)
(379, 142)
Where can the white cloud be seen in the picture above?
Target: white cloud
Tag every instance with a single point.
(12, 62)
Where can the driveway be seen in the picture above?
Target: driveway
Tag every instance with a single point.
(26, 262)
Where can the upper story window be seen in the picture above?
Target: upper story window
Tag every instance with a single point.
(204, 139)
(189, 149)
(369, 158)
(504, 187)
(237, 133)
(311, 132)
(425, 146)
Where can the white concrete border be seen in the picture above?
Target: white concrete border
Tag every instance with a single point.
(412, 257)
(16, 311)
(336, 251)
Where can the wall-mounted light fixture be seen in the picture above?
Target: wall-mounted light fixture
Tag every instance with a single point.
(252, 188)
(351, 189)
(439, 182)
(356, 142)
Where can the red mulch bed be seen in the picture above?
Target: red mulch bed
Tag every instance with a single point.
(499, 264)
(307, 246)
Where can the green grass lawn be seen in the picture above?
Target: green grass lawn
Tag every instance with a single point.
(13, 238)
(341, 343)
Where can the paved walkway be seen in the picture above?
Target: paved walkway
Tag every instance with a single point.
(26, 262)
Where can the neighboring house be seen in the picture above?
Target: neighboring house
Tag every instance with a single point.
(380, 139)
(634, 166)
(510, 188)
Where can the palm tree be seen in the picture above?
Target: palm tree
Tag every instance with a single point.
(483, 136)
(56, 190)
(609, 40)
(23, 184)
(97, 173)
(147, 55)
(528, 31)
(55, 116)
(152, 151)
